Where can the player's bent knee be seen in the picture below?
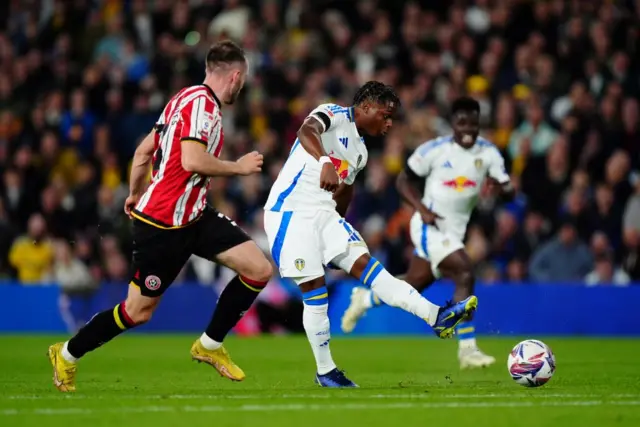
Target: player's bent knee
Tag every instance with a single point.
(137, 315)
(309, 284)
(139, 309)
(141, 317)
(264, 271)
(359, 265)
(259, 272)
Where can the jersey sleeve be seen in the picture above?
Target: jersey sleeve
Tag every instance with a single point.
(331, 115)
(420, 162)
(198, 120)
(497, 169)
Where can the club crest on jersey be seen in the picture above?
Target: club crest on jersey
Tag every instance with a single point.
(299, 263)
(478, 163)
(205, 129)
(152, 282)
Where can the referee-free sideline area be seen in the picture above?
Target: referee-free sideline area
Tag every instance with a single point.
(504, 309)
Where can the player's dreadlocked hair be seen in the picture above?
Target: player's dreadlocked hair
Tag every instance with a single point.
(376, 92)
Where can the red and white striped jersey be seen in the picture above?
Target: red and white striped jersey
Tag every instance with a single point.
(176, 197)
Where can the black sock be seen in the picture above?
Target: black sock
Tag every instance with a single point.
(234, 301)
(102, 328)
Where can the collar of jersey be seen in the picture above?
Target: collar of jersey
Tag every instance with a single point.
(212, 94)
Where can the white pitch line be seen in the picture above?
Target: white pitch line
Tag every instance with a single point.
(312, 407)
(353, 395)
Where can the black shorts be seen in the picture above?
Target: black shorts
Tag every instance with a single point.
(159, 254)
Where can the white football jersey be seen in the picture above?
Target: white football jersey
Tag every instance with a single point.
(297, 187)
(454, 178)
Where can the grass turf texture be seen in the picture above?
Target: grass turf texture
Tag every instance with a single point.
(149, 380)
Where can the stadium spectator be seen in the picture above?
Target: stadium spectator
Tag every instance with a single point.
(504, 240)
(606, 273)
(600, 245)
(545, 179)
(563, 259)
(516, 271)
(32, 255)
(532, 233)
(631, 215)
(77, 286)
(69, 272)
(533, 137)
(6, 239)
(575, 207)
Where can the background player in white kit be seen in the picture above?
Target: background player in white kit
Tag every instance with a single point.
(306, 229)
(451, 171)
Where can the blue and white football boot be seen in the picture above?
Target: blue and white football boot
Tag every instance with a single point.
(451, 314)
(334, 379)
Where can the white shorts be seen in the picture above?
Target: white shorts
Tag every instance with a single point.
(303, 243)
(432, 244)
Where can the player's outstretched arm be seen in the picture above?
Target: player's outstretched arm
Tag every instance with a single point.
(499, 180)
(343, 197)
(195, 159)
(507, 192)
(409, 184)
(309, 137)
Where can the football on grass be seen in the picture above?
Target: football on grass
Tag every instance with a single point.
(531, 363)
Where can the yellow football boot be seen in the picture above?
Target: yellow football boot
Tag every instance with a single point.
(64, 372)
(219, 359)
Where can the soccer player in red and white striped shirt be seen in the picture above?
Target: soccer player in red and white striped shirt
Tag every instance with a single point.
(171, 221)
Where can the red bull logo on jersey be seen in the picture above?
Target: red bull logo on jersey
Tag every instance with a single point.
(460, 183)
(342, 167)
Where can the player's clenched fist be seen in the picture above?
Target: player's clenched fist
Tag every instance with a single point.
(429, 217)
(329, 179)
(250, 163)
(130, 203)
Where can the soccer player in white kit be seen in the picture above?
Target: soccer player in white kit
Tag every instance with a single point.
(306, 229)
(451, 171)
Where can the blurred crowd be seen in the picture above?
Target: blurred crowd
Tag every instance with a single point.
(83, 81)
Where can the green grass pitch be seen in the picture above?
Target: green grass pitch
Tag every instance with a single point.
(149, 380)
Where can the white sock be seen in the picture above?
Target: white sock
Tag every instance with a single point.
(209, 343)
(315, 319)
(467, 344)
(366, 299)
(398, 293)
(66, 355)
(466, 332)
(371, 299)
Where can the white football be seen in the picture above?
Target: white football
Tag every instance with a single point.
(531, 363)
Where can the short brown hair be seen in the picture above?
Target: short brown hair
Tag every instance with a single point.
(224, 52)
